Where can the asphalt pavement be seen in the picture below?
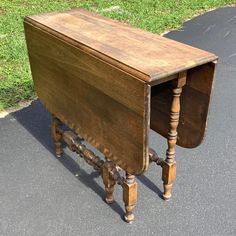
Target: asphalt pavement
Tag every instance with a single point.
(43, 195)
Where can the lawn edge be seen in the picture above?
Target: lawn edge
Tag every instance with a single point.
(26, 103)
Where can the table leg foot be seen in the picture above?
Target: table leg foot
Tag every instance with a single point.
(129, 197)
(108, 181)
(167, 191)
(129, 216)
(168, 177)
(57, 137)
(109, 195)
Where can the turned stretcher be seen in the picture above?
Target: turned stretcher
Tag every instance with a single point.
(110, 83)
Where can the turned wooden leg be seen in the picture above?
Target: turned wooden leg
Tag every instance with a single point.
(108, 181)
(57, 137)
(169, 165)
(129, 196)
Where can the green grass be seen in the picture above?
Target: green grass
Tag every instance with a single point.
(152, 15)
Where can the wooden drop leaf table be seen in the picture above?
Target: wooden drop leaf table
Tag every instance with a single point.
(110, 83)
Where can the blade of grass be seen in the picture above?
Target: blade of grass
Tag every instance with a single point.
(152, 15)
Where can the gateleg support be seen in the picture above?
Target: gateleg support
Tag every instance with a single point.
(169, 165)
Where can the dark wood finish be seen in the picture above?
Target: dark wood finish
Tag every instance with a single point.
(153, 157)
(195, 100)
(107, 107)
(57, 137)
(110, 83)
(75, 145)
(108, 170)
(108, 180)
(94, 38)
(98, 36)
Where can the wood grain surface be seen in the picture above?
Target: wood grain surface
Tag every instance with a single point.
(111, 82)
(106, 106)
(195, 100)
(145, 55)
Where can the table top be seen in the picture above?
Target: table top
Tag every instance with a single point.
(143, 54)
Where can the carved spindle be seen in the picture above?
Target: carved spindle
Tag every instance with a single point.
(108, 180)
(75, 145)
(108, 169)
(169, 165)
(153, 157)
(129, 196)
(57, 137)
(89, 156)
